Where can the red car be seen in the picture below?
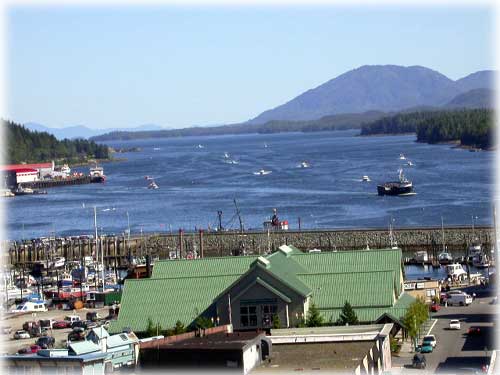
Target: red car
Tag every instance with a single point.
(61, 324)
(434, 307)
(474, 331)
(29, 349)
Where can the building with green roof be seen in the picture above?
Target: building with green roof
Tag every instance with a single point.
(248, 291)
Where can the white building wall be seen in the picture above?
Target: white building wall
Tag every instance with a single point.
(251, 358)
(23, 177)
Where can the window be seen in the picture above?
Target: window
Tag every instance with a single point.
(267, 312)
(248, 316)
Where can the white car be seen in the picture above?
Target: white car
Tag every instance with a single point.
(21, 335)
(454, 324)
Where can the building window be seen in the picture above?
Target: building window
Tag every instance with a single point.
(268, 311)
(248, 316)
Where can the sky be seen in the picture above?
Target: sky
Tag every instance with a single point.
(179, 66)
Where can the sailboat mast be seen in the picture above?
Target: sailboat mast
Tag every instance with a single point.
(442, 232)
(242, 229)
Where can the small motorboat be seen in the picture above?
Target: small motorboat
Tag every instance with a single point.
(421, 257)
(156, 149)
(304, 164)
(226, 155)
(262, 172)
(445, 258)
(148, 177)
(365, 179)
(409, 163)
(153, 185)
(200, 146)
(402, 157)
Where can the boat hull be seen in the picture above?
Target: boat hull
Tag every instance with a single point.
(394, 189)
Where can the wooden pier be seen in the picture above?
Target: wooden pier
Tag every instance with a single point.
(42, 184)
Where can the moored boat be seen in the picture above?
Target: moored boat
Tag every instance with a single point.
(97, 174)
(445, 258)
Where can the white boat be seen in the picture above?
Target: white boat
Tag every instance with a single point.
(409, 163)
(456, 271)
(304, 164)
(6, 193)
(226, 155)
(365, 179)
(200, 146)
(30, 306)
(156, 149)
(421, 256)
(59, 262)
(402, 157)
(66, 169)
(445, 258)
(262, 172)
(97, 174)
(153, 185)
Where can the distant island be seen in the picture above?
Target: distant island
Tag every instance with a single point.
(25, 146)
(470, 127)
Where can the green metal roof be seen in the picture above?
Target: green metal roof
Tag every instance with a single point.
(167, 300)
(179, 289)
(217, 266)
(360, 289)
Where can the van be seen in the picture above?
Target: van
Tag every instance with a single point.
(72, 318)
(30, 306)
(459, 299)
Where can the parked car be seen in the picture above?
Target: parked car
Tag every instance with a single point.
(434, 307)
(454, 324)
(92, 316)
(47, 323)
(80, 324)
(429, 340)
(21, 334)
(46, 342)
(91, 324)
(29, 349)
(76, 336)
(474, 331)
(72, 318)
(61, 324)
(425, 348)
(459, 299)
(419, 361)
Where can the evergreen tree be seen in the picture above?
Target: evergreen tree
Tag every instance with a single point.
(347, 316)
(150, 328)
(314, 318)
(276, 321)
(203, 322)
(179, 328)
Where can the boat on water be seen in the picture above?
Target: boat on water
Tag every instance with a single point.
(445, 258)
(200, 146)
(97, 174)
(304, 164)
(20, 190)
(153, 185)
(401, 187)
(421, 257)
(59, 262)
(409, 163)
(365, 179)
(262, 172)
(6, 193)
(226, 155)
(481, 261)
(455, 271)
(402, 157)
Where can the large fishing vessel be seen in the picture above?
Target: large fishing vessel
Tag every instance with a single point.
(97, 174)
(401, 187)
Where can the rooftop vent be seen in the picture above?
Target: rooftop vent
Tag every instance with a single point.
(285, 249)
(263, 261)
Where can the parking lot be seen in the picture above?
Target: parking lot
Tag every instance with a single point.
(457, 352)
(11, 346)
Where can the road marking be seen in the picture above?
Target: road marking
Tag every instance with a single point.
(432, 326)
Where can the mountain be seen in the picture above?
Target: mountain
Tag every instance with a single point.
(386, 88)
(484, 79)
(476, 98)
(80, 131)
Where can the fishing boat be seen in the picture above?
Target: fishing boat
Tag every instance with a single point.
(401, 187)
(481, 260)
(445, 258)
(421, 257)
(455, 271)
(97, 174)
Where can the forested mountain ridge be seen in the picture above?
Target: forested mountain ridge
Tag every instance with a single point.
(24, 145)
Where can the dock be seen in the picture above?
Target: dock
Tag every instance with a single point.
(42, 184)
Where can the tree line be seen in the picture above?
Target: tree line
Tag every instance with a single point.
(471, 127)
(24, 145)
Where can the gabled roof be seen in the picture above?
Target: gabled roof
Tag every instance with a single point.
(121, 339)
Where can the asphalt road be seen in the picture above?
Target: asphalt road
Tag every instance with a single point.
(456, 352)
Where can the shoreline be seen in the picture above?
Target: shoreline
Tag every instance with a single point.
(96, 161)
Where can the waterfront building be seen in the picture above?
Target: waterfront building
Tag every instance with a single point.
(14, 174)
(425, 289)
(250, 292)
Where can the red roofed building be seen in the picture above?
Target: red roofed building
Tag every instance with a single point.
(23, 173)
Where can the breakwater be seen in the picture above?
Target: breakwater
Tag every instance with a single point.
(118, 249)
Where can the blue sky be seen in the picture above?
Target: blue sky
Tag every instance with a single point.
(182, 66)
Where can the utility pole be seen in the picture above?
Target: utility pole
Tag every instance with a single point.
(219, 214)
(242, 229)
